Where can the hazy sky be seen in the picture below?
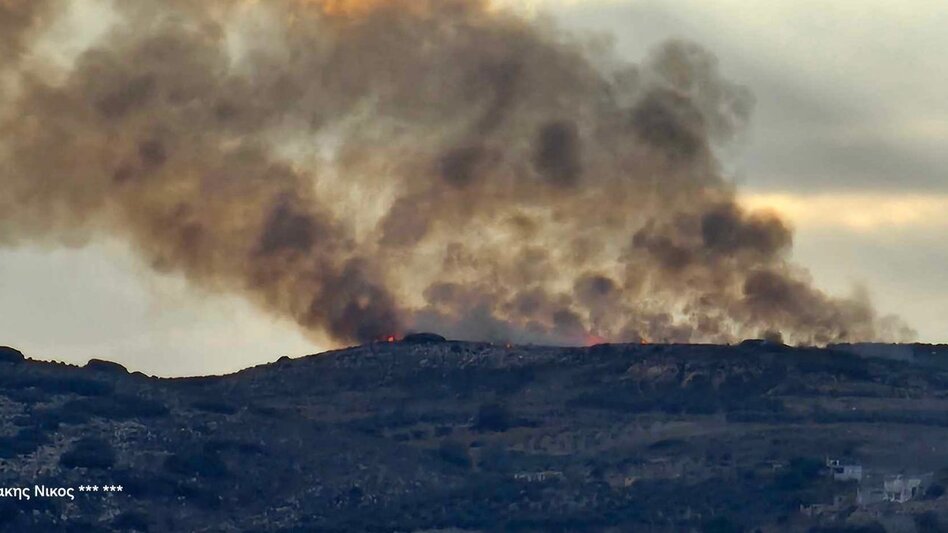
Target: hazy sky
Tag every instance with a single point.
(850, 131)
(849, 140)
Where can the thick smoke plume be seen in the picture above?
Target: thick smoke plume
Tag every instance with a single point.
(371, 167)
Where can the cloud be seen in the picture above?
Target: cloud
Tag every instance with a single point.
(849, 94)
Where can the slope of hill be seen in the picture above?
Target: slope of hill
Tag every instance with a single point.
(474, 436)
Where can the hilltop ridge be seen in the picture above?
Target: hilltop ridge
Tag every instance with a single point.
(406, 436)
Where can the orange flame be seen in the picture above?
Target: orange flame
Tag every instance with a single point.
(351, 8)
(592, 340)
(361, 8)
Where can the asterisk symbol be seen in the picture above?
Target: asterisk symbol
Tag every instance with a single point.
(82, 488)
(111, 488)
(95, 488)
(119, 488)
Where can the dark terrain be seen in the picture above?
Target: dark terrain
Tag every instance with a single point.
(478, 437)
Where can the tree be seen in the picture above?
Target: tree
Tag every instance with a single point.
(492, 417)
(455, 453)
(495, 458)
(89, 452)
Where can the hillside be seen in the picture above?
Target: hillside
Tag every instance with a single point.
(473, 436)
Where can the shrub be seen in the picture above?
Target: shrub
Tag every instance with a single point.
(928, 522)
(131, 521)
(78, 386)
(872, 527)
(116, 408)
(799, 473)
(239, 446)
(56, 385)
(492, 417)
(216, 407)
(201, 463)
(27, 440)
(198, 496)
(495, 458)
(837, 364)
(721, 524)
(143, 485)
(27, 396)
(668, 444)
(511, 381)
(934, 491)
(455, 453)
(89, 452)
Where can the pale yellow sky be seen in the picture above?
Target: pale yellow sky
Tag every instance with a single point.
(865, 213)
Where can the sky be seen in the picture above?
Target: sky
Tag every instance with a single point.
(849, 141)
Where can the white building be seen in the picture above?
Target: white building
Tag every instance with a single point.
(900, 490)
(895, 489)
(844, 472)
(536, 477)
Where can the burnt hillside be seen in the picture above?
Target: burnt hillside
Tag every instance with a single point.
(435, 435)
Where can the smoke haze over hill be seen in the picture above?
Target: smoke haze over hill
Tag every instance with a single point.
(368, 168)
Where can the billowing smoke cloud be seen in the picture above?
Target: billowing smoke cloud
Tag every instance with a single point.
(367, 168)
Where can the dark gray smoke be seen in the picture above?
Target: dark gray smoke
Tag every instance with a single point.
(370, 167)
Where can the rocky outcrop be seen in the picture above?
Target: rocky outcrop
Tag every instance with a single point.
(10, 355)
(105, 367)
